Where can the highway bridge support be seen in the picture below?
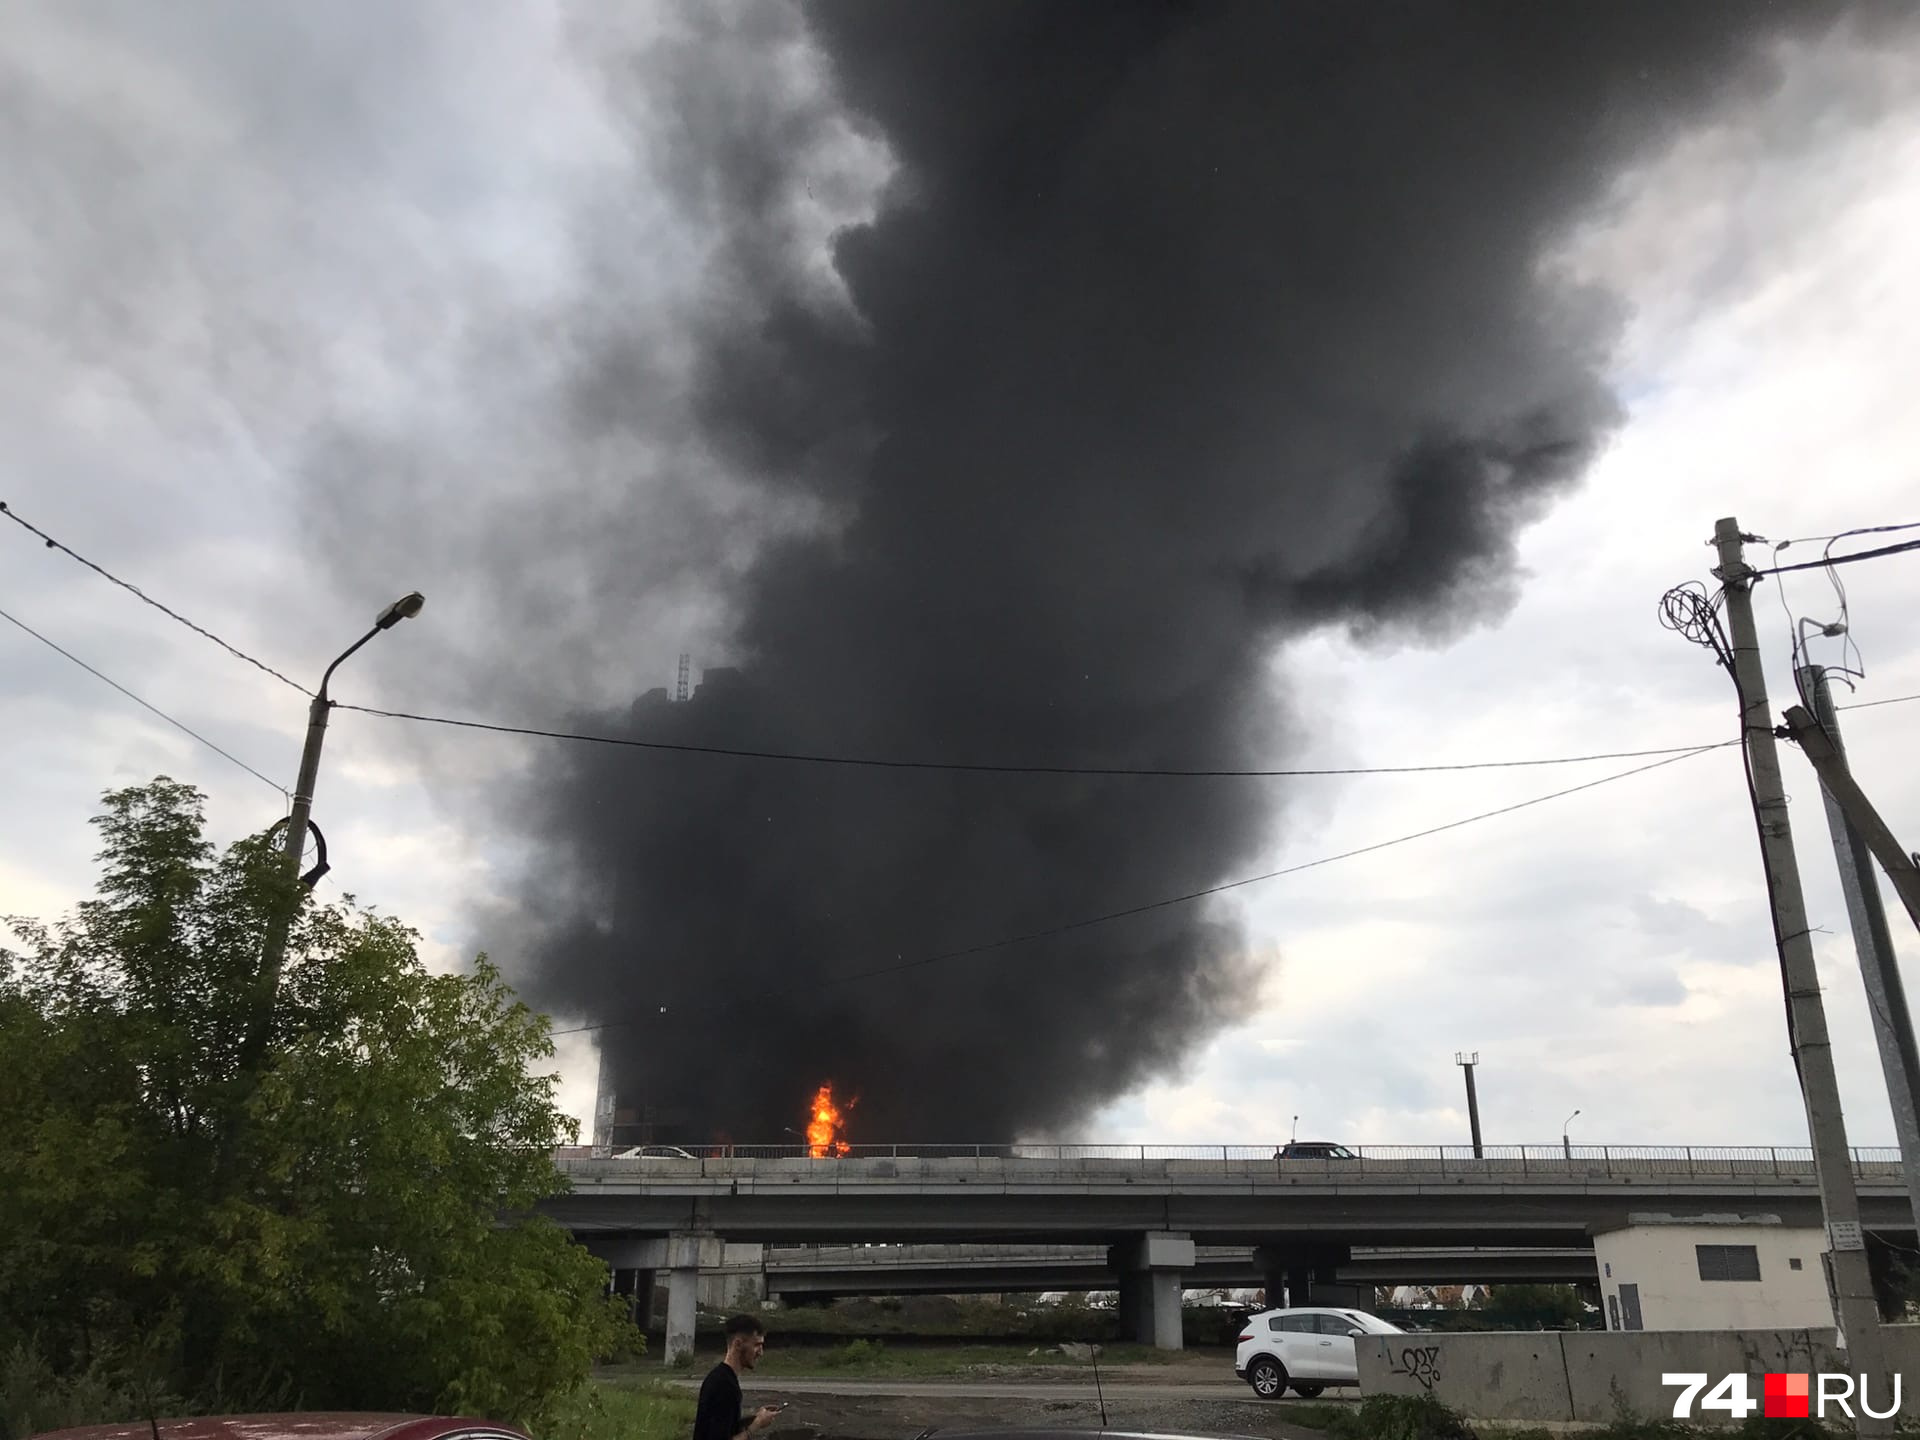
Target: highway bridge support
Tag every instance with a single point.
(683, 1256)
(1151, 1267)
(1307, 1277)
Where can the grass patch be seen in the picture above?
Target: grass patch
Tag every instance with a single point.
(868, 1357)
(875, 1357)
(625, 1410)
(973, 1318)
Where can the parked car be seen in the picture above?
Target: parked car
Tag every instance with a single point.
(310, 1425)
(1314, 1150)
(1304, 1349)
(653, 1152)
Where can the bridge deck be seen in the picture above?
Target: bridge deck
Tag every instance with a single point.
(1408, 1200)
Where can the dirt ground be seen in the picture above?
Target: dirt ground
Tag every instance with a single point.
(1157, 1407)
(899, 1417)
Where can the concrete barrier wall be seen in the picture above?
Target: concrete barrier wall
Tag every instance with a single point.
(1495, 1376)
(1595, 1375)
(1620, 1370)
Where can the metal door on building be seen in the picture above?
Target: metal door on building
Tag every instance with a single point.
(1630, 1308)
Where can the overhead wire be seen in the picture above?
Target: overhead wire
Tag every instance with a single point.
(144, 598)
(1848, 645)
(1832, 560)
(1844, 534)
(1694, 616)
(867, 762)
(144, 704)
(1869, 704)
(1167, 902)
(992, 768)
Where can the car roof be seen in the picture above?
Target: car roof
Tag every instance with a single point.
(308, 1425)
(1310, 1310)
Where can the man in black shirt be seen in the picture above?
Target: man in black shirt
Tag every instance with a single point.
(718, 1417)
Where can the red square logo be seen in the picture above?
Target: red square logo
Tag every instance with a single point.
(1786, 1396)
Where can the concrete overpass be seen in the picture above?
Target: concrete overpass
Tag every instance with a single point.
(834, 1271)
(1300, 1219)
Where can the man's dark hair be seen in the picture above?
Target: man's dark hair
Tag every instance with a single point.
(744, 1325)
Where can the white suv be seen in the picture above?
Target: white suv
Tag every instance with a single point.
(1306, 1349)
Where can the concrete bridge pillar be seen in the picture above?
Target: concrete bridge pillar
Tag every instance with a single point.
(1308, 1277)
(682, 1256)
(1151, 1267)
(685, 1257)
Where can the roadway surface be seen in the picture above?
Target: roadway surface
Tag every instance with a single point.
(998, 1389)
(847, 1409)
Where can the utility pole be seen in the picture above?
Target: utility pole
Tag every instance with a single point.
(1903, 869)
(1466, 1062)
(1852, 1288)
(1873, 943)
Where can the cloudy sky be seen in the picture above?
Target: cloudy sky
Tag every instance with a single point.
(231, 230)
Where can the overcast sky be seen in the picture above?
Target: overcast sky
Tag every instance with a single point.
(226, 228)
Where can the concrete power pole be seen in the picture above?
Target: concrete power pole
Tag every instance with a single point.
(1873, 943)
(1852, 1287)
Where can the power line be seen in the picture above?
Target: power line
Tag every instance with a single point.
(879, 763)
(1828, 562)
(1201, 894)
(144, 704)
(135, 590)
(1843, 534)
(1869, 704)
(985, 768)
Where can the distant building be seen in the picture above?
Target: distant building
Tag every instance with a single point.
(1712, 1272)
(1435, 1297)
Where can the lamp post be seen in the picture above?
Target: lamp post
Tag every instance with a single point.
(260, 1021)
(1466, 1062)
(1566, 1144)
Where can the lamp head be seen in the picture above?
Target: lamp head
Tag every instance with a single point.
(405, 608)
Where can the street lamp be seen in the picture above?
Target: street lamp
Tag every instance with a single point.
(1566, 1144)
(267, 982)
(1466, 1062)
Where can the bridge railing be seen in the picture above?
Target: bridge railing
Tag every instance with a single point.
(1707, 1161)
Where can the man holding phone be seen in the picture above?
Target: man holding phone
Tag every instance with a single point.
(718, 1417)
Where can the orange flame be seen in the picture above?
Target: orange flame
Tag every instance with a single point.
(827, 1125)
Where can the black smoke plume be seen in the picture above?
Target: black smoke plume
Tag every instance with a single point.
(1179, 329)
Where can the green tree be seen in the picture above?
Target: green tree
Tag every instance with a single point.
(1556, 1307)
(371, 1240)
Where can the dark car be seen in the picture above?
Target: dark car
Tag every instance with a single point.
(313, 1425)
(1313, 1150)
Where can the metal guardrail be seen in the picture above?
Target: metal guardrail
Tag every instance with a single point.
(1706, 1160)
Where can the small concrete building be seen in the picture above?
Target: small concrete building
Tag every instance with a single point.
(1712, 1272)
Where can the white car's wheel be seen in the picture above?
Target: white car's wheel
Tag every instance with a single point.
(1267, 1377)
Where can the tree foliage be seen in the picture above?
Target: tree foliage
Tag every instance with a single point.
(365, 1238)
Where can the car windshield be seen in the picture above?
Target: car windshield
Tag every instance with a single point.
(1374, 1325)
